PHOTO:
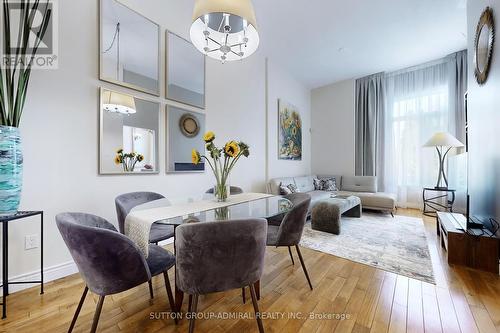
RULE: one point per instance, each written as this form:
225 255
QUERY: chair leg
97 314
190 303
304 266
291 256
256 308
170 295
194 309
150 283
78 308
243 295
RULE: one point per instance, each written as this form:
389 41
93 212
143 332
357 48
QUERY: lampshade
224 29
118 103
443 139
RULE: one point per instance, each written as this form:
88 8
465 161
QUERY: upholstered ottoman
326 214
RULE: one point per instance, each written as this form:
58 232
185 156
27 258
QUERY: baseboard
49 274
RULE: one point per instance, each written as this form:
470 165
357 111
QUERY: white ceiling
325 41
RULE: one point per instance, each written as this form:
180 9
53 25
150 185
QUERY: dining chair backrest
291 227
108 261
232 190
218 256
125 202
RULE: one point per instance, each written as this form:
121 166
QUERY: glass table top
260 208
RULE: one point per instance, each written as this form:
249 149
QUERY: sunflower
119 151
118 160
140 158
195 156
209 136
232 149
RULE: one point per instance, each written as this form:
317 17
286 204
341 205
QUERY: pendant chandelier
225 29
114 102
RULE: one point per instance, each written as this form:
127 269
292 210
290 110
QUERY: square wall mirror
185 72
185 131
129 51
129 134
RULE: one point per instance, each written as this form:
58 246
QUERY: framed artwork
289 132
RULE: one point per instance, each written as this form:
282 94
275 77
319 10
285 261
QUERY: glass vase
221 192
11 170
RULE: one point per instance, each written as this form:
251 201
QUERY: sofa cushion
338 179
359 184
379 200
328 184
284 190
305 184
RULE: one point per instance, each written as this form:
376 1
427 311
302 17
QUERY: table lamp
444 142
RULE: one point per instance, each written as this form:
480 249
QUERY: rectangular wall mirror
129 48
129 134
185 72
185 131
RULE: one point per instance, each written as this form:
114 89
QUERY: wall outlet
31 242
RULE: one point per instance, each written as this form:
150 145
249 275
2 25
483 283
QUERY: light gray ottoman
326 213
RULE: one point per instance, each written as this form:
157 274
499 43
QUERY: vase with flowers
221 161
127 160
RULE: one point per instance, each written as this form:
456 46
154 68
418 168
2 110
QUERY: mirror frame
486 20
167 140
101 136
120 83
166 73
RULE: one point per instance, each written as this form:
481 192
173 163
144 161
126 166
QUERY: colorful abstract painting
289 132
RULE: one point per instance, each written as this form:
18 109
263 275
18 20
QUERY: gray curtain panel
457 88
370 106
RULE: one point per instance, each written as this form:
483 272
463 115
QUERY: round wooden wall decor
483 45
189 125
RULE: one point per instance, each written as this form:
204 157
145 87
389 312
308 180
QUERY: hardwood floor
370 300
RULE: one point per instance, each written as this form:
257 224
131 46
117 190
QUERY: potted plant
221 161
15 74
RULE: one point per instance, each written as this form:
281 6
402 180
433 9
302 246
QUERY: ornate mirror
483 45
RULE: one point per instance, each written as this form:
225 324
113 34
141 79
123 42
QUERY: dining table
206 209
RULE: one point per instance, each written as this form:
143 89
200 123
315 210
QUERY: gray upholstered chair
219 256
289 231
126 202
232 190
108 261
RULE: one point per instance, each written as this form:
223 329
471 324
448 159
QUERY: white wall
60 128
484 122
282 86
333 124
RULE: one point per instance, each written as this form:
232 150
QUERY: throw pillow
329 184
293 188
284 190
317 184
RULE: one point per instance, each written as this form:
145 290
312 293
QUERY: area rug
397 245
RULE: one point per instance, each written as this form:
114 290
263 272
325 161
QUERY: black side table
5 220
435 202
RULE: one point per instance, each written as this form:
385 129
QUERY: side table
434 204
5 221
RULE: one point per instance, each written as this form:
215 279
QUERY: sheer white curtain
417 106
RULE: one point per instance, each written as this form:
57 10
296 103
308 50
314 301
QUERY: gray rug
397 245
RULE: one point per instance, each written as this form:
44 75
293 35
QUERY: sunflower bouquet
221 161
127 160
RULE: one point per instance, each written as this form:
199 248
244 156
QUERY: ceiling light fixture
225 29
118 103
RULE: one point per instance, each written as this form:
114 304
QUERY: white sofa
364 187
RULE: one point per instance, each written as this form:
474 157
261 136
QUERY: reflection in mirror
483 48
181 141
129 50
185 72
128 141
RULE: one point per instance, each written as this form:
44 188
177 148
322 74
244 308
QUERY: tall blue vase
11 170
